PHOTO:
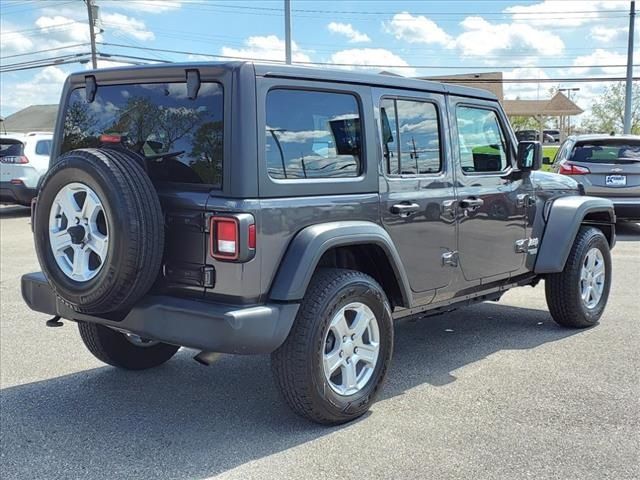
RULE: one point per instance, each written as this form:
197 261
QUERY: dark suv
244 208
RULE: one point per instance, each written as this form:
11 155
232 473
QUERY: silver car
608 166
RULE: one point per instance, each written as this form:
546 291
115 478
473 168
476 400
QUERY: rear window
312 134
11 148
606 153
181 139
43 147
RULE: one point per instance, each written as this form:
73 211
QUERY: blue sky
519 38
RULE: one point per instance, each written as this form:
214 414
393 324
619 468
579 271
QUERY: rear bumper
16 193
188 323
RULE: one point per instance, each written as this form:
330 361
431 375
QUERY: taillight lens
571 169
14 159
233 237
105 138
225 237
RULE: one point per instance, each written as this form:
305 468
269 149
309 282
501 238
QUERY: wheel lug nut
353 336
77 221
344 339
348 359
340 354
355 350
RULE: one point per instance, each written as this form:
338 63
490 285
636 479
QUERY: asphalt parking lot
491 391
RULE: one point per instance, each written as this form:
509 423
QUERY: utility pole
287 31
629 89
569 90
92 33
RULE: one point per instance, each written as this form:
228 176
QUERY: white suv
24 158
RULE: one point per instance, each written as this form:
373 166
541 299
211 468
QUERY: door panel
491 196
417 191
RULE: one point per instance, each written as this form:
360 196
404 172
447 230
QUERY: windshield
617 152
180 138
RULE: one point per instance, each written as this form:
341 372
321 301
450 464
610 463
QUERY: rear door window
312 134
411 137
180 138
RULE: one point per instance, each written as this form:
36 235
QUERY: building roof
558 105
41 118
490 81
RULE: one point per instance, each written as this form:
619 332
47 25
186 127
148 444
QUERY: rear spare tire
99 230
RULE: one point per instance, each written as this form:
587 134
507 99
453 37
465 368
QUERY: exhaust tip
207 358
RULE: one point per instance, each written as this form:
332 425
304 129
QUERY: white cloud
148 6
372 59
44 87
483 38
12 43
348 31
418 29
526 91
608 34
63 29
563 12
130 26
268 47
600 57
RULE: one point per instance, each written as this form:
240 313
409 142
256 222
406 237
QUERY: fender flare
308 246
564 218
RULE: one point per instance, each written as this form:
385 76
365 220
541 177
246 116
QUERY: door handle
471 203
404 208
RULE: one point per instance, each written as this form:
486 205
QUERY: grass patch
549 151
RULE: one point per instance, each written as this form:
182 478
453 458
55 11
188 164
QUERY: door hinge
450 258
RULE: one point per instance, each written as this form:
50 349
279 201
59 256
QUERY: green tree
607 112
207 152
79 127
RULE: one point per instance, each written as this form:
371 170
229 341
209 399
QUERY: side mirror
547 161
529 156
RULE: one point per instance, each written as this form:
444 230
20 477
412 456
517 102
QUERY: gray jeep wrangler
252 209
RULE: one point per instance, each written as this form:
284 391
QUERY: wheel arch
358 245
563 220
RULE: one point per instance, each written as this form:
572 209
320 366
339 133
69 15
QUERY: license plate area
615 181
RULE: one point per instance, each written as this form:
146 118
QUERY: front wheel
336 356
578 295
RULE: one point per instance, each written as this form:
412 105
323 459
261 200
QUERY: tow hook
54 322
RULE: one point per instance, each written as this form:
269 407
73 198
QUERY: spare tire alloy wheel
99 230
78 232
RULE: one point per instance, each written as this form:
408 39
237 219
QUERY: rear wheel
123 350
578 295
336 356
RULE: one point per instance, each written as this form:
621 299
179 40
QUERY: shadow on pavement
14 211
183 420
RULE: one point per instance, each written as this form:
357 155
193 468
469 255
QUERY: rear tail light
14 160
233 237
571 169
16 181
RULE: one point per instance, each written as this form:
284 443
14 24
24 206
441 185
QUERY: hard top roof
306 73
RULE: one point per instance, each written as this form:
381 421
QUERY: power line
233 57
44 51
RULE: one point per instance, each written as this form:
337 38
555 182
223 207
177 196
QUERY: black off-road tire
297 364
135 224
113 348
563 289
